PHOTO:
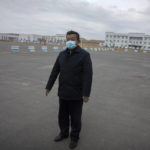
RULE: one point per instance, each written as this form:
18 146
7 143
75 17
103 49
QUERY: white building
32 37
55 38
9 36
29 37
60 37
129 40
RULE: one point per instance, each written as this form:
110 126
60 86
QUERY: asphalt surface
117 116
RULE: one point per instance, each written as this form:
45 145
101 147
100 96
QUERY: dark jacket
75 74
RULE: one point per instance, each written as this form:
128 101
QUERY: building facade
129 40
31 37
9 36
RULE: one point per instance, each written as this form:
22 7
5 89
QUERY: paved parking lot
117 117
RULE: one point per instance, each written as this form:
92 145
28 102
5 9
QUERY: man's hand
85 99
46 92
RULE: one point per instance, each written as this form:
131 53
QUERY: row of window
136 38
126 46
132 42
147 38
116 41
126 37
117 36
6 37
135 42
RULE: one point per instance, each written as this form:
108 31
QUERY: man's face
72 37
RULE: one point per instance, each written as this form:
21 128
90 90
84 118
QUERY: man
74 68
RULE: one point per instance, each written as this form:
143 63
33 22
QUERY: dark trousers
70 111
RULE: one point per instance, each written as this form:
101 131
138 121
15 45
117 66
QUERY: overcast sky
91 18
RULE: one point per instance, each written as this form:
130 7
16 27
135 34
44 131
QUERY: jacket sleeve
53 75
87 76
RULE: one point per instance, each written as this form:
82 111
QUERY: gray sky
91 18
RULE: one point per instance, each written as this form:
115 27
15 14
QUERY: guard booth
14 48
31 48
55 49
44 49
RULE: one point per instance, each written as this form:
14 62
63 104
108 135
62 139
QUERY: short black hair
74 32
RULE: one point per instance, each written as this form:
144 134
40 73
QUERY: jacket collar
75 50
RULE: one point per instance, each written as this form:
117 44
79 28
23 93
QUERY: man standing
74 68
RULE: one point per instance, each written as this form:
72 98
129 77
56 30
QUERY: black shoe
73 144
60 138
